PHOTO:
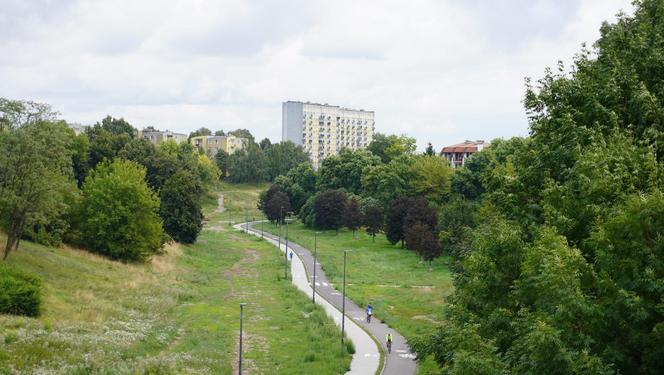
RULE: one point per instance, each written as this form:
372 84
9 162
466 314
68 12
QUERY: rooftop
467 146
328 105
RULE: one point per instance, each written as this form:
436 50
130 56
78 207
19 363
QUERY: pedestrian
291 255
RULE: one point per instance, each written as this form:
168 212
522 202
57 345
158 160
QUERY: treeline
387 187
559 237
104 189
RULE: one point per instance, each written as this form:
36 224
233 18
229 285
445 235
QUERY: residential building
211 144
156 137
324 130
458 153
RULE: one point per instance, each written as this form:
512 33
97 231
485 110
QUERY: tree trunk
11 240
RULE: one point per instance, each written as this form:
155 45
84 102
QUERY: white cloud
441 71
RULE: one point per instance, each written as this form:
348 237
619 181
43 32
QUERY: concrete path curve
400 362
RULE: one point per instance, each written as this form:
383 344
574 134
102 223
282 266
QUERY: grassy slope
405 292
178 314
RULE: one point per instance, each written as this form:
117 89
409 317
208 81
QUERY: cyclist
369 313
388 340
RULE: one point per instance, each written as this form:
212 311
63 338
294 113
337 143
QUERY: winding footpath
365 336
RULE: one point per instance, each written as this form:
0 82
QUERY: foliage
35 176
431 178
16 113
385 182
457 219
243 133
353 217
19 292
307 214
374 216
390 147
248 165
277 207
284 156
345 170
265 143
120 212
221 159
299 183
104 145
180 207
200 132
429 151
394 219
421 238
329 209
117 126
207 171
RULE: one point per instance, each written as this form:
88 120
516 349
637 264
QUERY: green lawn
177 314
239 200
406 293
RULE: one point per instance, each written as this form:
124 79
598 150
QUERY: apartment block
156 137
458 153
324 130
211 144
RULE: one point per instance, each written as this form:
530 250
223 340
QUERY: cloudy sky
441 71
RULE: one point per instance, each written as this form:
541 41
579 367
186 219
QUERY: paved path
400 361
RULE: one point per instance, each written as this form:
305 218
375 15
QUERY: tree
80 149
374 217
207 171
250 165
264 144
16 113
200 132
421 238
266 195
353 217
386 182
243 133
104 145
329 209
299 183
394 220
35 175
431 178
277 207
219 133
390 147
284 156
429 150
345 170
121 212
180 207
117 127
221 159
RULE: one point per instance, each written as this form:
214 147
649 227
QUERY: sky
441 71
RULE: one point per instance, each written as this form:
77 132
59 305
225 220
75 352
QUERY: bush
19 292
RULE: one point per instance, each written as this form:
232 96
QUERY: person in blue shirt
369 313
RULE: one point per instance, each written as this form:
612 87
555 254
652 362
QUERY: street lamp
279 224
246 220
313 281
286 251
343 304
239 371
262 221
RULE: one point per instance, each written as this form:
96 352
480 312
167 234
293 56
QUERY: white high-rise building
323 130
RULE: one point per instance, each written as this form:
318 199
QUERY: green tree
429 151
16 113
221 159
277 207
390 147
265 143
431 177
207 171
121 212
35 176
386 182
180 207
421 238
199 132
345 170
394 219
284 156
117 127
243 133
250 165
219 133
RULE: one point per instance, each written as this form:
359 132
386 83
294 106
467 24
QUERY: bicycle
389 347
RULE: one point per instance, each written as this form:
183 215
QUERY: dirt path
220 204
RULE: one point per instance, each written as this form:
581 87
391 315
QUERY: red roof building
458 153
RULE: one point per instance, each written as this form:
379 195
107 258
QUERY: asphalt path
401 361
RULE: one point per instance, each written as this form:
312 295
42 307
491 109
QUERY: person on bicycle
388 340
369 313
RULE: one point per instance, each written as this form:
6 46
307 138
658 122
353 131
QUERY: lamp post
343 304
246 220
313 281
281 210
262 221
286 251
239 371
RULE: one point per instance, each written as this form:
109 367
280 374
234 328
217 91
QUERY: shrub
19 292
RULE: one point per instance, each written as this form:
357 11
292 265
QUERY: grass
406 293
177 314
